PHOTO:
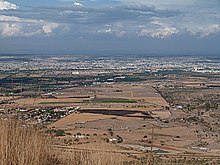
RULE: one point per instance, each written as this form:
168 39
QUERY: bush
60 132
119 139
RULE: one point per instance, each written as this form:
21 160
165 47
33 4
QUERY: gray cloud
139 18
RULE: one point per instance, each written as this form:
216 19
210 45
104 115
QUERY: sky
107 27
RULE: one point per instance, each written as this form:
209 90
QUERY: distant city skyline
113 27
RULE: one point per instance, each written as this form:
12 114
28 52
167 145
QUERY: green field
58 102
99 100
111 100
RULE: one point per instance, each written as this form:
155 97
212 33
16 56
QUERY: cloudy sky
110 27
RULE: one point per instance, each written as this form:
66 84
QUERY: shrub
60 132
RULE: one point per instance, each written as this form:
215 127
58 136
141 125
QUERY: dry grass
88 158
22 146
26 146
107 158
100 153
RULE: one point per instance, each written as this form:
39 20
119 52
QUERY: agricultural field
169 128
109 96
136 115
